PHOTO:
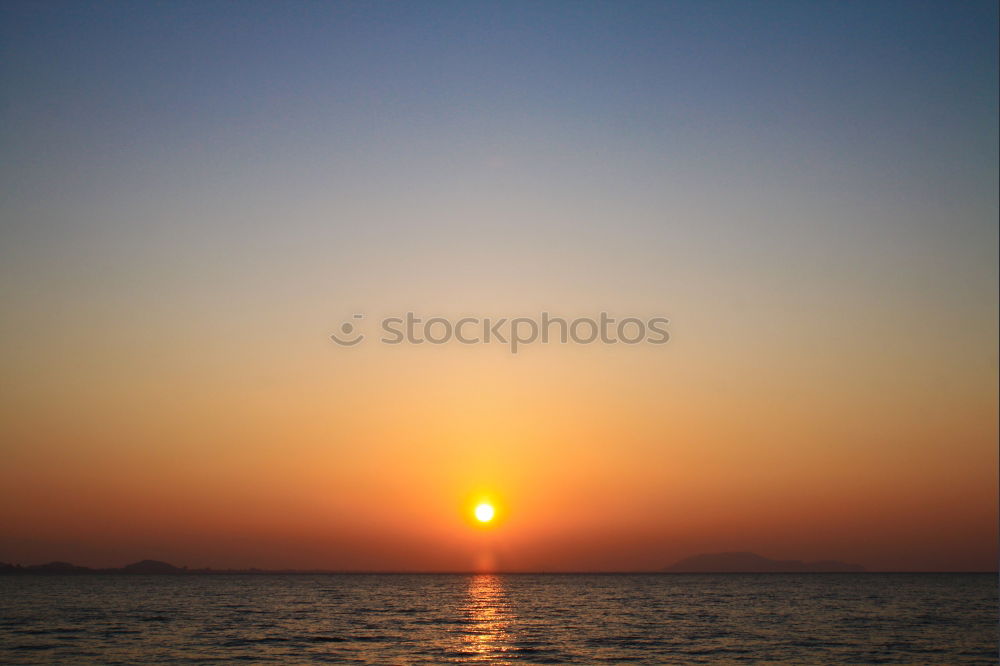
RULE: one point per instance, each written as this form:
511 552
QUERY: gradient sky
193 196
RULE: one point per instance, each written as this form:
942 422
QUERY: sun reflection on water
489 615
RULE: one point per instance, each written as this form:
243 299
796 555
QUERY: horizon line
6 567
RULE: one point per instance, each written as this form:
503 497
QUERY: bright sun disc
484 513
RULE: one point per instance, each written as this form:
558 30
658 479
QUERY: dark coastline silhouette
752 563
144 567
733 562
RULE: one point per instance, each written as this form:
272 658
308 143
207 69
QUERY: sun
484 512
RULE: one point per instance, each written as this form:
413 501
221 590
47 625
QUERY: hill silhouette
57 567
753 563
744 562
143 567
151 567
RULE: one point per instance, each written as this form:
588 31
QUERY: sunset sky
195 195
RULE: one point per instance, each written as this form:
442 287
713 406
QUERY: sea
517 618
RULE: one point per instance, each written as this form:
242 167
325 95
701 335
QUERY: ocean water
433 619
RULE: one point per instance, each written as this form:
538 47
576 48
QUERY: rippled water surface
870 618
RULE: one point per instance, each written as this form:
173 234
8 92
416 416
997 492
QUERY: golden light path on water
489 614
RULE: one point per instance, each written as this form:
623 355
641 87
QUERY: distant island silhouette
754 563
704 563
145 567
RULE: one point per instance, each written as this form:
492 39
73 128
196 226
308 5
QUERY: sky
195 195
